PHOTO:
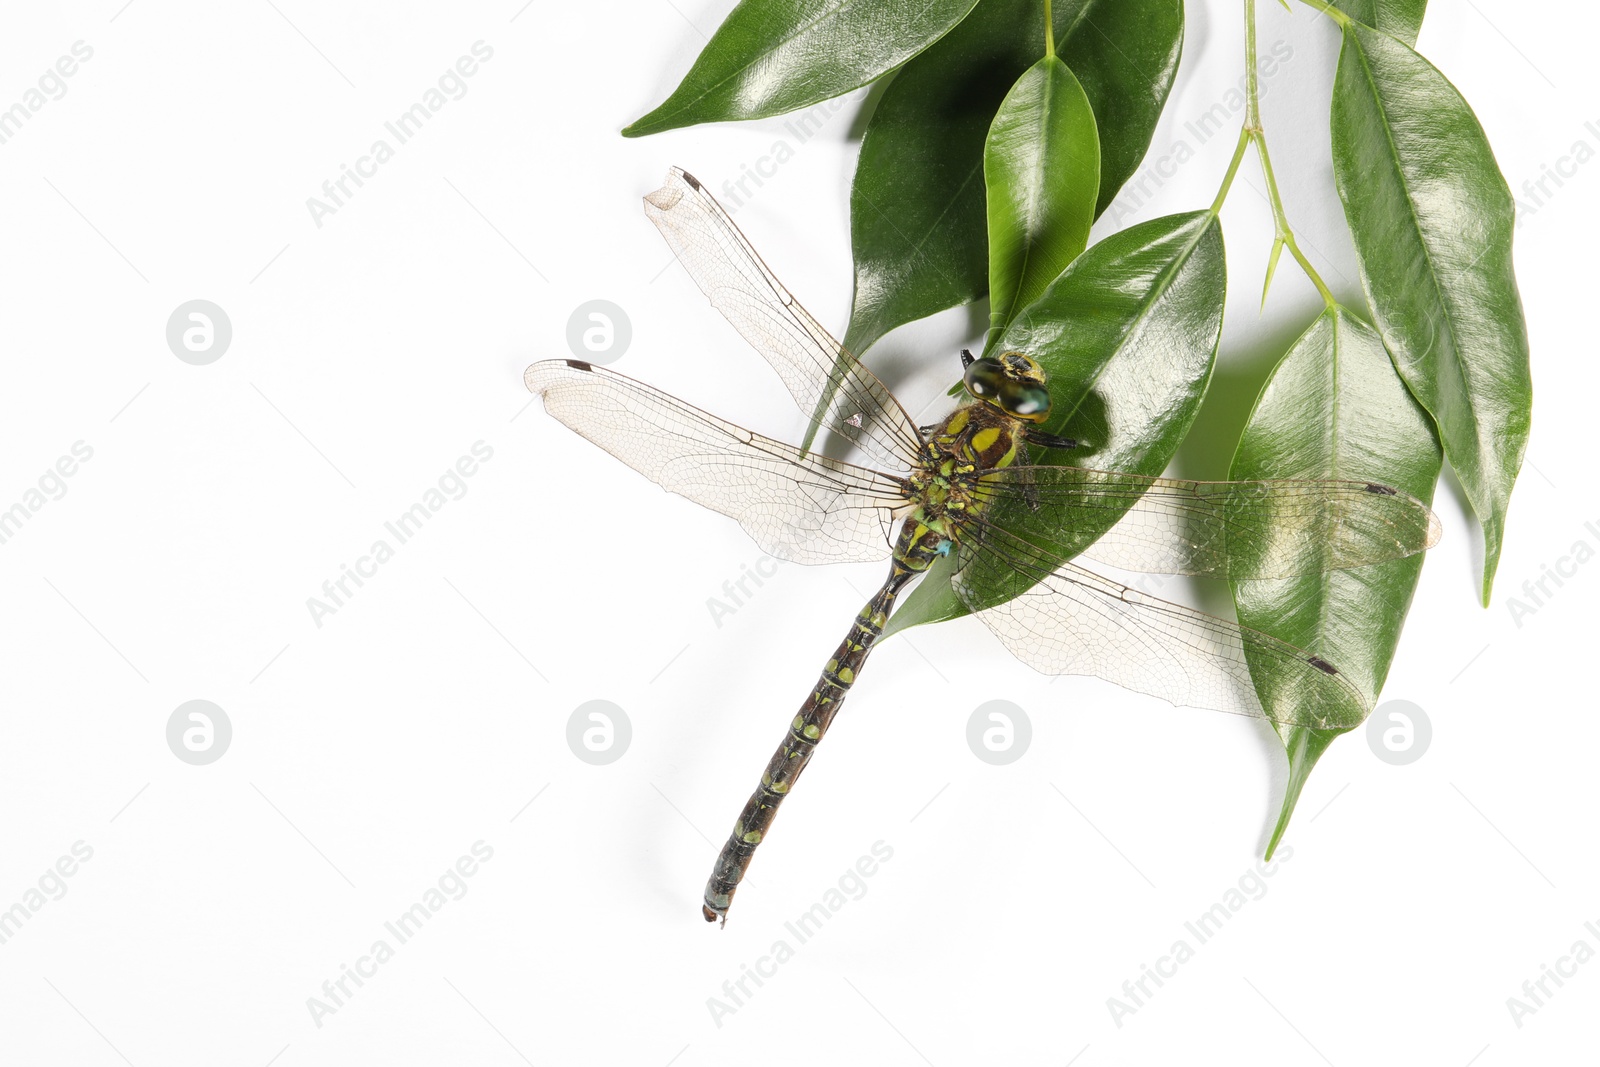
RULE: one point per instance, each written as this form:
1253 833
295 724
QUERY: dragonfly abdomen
916 549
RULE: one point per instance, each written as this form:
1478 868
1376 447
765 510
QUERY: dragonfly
966 486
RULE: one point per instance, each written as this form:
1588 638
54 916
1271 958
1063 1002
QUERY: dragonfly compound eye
1030 403
984 378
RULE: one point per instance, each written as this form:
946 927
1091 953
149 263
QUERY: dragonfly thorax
972 439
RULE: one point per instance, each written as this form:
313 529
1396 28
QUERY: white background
372 751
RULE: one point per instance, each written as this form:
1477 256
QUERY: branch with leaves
1006 129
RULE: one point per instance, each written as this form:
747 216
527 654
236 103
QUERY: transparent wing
798 506
1067 620
810 362
1239 530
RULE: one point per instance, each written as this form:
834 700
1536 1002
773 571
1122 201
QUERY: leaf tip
642 126
657 120
1304 747
1272 267
1493 538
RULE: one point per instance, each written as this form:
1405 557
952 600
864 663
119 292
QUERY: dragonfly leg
1030 491
1050 440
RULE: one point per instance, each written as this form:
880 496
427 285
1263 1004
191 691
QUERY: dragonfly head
1012 382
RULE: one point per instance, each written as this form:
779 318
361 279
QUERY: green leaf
1334 408
1041 168
1128 334
1397 18
773 56
917 212
1431 217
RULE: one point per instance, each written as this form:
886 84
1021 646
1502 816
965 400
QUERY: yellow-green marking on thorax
1009 394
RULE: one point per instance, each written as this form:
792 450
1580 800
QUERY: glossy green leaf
1334 408
1397 18
1431 217
1041 171
773 56
917 210
1128 334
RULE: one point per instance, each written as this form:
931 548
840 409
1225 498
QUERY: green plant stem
1049 31
1327 9
1285 235
1252 132
1233 169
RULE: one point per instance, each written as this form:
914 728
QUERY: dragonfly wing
1068 620
798 506
811 363
1238 530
